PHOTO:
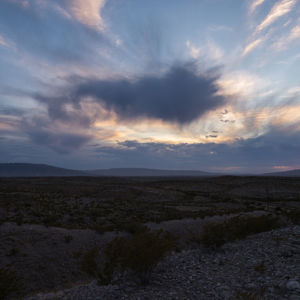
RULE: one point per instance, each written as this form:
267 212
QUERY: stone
293 284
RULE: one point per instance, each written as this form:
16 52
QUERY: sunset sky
210 85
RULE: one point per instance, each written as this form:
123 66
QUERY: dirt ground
48 225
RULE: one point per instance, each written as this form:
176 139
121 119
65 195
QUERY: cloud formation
81 72
87 12
278 147
194 51
251 46
3 42
57 31
283 42
254 154
255 4
278 38
279 9
180 95
62 139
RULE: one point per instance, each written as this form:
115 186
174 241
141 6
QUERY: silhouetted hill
147 172
35 170
291 173
40 170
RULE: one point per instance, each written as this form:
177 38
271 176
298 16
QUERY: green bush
140 253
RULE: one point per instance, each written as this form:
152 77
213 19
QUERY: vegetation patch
139 253
260 295
261 267
9 284
89 263
293 216
239 227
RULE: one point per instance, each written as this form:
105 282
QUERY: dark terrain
55 230
291 173
42 170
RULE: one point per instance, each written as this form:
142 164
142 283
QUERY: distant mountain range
291 173
35 170
146 172
41 170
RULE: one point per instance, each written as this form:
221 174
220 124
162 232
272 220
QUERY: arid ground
55 233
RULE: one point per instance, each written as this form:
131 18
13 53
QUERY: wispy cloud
240 84
23 3
5 43
215 52
193 51
251 46
280 9
88 12
278 38
283 42
2 42
219 28
54 34
295 32
255 4
209 50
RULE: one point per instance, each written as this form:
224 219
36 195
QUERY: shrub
140 253
12 252
89 264
134 227
216 234
241 295
293 216
278 239
8 283
68 239
103 228
261 267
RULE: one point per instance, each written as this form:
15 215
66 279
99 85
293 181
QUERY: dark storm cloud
11 111
57 111
43 132
180 95
58 141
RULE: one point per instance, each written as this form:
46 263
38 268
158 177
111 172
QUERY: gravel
263 266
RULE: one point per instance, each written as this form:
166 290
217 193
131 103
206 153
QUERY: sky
210 85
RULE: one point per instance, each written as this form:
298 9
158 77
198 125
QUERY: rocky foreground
263 266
